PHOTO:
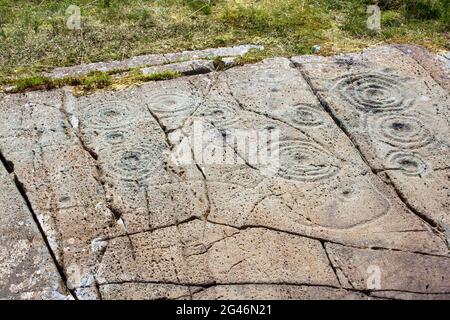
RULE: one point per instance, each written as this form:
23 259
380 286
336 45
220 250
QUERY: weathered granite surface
436 65
27 268
186 67
151 60
133 206
398 115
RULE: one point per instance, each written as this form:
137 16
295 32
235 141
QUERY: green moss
252 56
33 83
96 80
219 64
156 76
67 81
93 81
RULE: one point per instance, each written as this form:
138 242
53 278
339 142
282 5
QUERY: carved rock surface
302 178
27 268
394 105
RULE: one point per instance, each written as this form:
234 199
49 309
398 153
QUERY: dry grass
34 36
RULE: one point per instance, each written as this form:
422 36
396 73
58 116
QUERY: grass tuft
219 64
422 9
33 83
93 81
252 56
156 76
96 80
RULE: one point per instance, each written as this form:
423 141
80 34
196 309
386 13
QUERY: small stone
316 48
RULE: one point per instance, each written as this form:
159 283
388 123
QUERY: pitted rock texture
27 268
134 202
398 116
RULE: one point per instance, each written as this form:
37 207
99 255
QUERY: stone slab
27 269
277 292
200 253
187 67
59 178
213 52
136 202
150 291
396 271
146 291
396 109
150 60
438 66
322 204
